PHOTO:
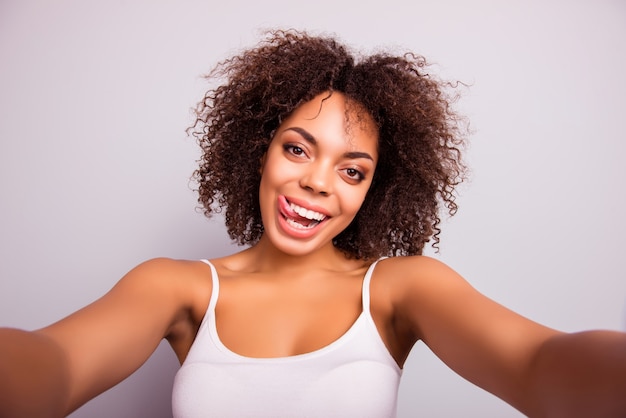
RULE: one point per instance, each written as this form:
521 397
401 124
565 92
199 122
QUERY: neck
266 257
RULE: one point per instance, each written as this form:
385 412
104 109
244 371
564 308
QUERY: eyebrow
311 139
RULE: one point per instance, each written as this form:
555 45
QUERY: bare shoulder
182 284
416 283
155 295
170 276
428 297
418 273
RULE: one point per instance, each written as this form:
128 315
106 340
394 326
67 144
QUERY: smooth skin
294 293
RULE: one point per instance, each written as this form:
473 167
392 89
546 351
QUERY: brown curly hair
420 137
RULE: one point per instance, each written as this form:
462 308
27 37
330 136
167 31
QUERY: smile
307 213
300 218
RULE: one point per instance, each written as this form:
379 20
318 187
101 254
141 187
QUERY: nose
318 179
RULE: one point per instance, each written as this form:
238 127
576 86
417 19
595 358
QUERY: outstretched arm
34 380
538 370
52 371
580 375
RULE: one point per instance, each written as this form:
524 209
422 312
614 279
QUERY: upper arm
480 339
109 339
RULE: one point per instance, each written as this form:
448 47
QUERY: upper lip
308 205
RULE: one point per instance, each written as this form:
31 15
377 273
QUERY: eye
354 175
294 150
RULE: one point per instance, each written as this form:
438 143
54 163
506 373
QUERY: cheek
279 172
353 199
273 175
268 168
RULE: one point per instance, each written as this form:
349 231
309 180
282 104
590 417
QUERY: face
316 173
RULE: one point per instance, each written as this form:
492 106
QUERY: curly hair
420 137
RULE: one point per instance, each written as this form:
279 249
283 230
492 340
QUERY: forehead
333 115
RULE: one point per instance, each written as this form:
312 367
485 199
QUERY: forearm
580 375
34 381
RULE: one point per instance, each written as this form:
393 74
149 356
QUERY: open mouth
299 217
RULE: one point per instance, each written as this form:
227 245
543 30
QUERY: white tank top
354 376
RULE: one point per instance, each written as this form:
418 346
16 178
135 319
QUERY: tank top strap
365 290
216 286
366 286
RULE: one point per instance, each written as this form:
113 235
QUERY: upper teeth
306 213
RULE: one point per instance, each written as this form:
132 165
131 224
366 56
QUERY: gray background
95 163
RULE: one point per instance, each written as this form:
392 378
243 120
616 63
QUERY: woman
324 165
